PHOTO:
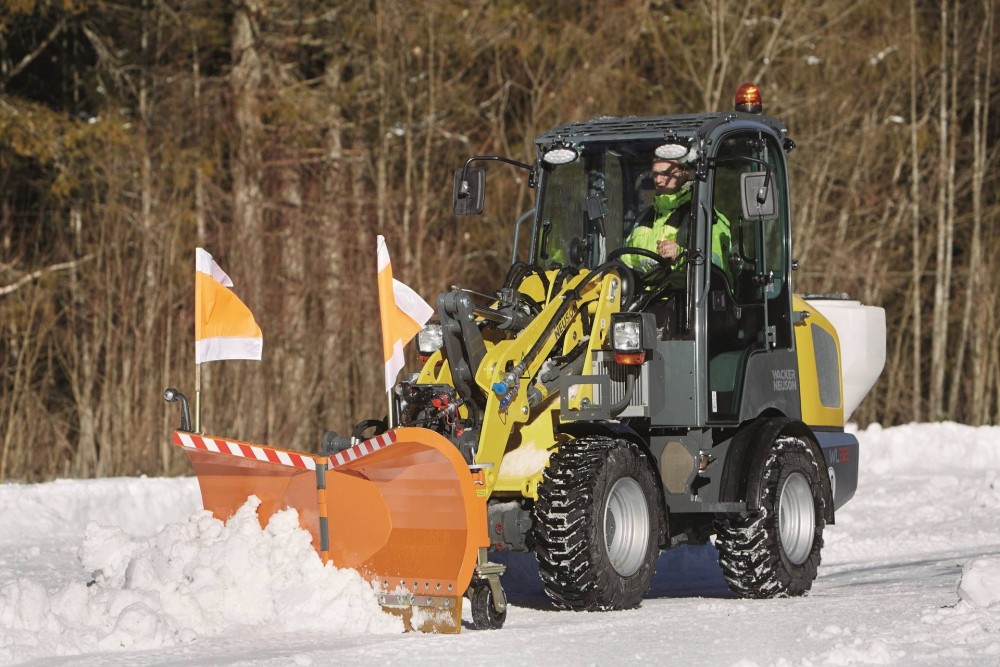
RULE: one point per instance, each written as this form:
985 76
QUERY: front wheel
777 552
596 525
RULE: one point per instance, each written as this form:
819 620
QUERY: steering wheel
659 278
661 273
664 262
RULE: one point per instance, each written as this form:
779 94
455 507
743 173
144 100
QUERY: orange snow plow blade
402 508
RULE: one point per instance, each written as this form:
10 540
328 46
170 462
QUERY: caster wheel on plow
484 613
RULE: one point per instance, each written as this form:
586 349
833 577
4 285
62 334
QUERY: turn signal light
630 358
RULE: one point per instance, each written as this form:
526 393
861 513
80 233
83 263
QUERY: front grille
605 365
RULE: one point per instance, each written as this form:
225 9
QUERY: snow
980 585
524 461
132 571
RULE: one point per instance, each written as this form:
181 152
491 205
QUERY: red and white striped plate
245 450
280 456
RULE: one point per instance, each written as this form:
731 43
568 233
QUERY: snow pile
139 505
972 626
929 447
195 579
980 584
924 490
929 494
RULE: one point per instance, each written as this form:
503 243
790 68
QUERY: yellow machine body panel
820 375
528 453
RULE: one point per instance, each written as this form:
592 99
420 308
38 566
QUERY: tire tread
749 550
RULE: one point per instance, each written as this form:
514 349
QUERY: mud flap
402 508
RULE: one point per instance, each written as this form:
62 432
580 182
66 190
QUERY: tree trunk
916 380
945 221
248 200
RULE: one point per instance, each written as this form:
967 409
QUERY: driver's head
669 176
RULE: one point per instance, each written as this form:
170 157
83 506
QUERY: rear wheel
777 552
596 525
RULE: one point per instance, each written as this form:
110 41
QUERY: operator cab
723 306
725 303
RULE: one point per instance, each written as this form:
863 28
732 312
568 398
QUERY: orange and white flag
402 311
224 328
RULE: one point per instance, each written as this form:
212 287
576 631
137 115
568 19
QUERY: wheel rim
796 518
626 526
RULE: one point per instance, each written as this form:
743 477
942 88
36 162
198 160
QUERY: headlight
626 336
632 336
430 339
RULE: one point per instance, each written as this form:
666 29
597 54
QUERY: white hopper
861 330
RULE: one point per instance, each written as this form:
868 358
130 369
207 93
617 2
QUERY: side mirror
470 191
757 196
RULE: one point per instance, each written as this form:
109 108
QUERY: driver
671 210
671 205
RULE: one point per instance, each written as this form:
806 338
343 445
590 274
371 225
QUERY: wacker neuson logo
785 380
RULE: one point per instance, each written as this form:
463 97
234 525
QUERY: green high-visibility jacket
666 226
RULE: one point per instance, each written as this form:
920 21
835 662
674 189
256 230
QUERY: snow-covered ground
131 572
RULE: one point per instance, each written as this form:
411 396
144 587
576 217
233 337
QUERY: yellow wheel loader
606 402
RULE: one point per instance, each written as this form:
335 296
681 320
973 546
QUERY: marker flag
403 314
224 328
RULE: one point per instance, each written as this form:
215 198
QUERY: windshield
587 207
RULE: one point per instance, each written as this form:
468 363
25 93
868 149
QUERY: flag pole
391 410
197 398
197 335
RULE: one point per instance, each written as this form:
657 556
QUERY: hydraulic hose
616 409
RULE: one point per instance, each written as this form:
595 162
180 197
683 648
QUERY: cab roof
653 128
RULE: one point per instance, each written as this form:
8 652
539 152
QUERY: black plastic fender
580 429
747 451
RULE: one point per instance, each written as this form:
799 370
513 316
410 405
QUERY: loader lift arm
501 361
461 332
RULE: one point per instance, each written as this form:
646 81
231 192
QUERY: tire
776 553
484 614
595 525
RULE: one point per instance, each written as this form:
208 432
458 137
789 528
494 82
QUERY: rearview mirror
757 196
470 191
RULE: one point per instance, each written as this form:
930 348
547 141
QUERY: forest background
283 135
